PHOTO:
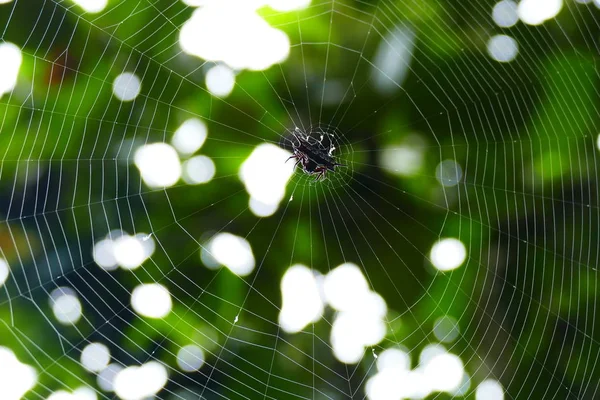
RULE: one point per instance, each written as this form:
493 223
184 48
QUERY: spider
315 158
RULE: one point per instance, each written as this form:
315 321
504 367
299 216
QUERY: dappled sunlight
95 357
535 12
448 254
159 164
220 80
502 48
505 13
118 249
234 252
301 299
140 382
198 169
190 358
91 6
489 389
66 305
11 57
16 378
127 86
265 173
190 136
232 32
81 393
151 300
438 371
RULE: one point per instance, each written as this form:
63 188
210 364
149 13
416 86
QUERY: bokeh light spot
535 12
11 58
502 48
151 300
489 389
190 358
127 86
302 303
505 13
198 169
16 378
4 271
448 254
66 306
234 252
159 164
95 357
220 80
190 136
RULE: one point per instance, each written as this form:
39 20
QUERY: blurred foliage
527 208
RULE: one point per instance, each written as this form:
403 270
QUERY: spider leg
320 173
292 156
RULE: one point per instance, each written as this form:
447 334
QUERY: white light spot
198 169
207 258
65 306
16 378
402 160
392 59
129 252
505 13
95 357
147 243
136 383
346 346
352 331
393 359
190 358
386 385
261 209
489 390
151 300
195 3
301 300
448 173
265 173
82 393
91 6
445 372
288 5
158 164
448 254
5 1
535 12
429 352
11 58
127 86
4 270
232 32
106 378
234 252
464 386
220 80
104 255
502 48
345 287
190 136
446 329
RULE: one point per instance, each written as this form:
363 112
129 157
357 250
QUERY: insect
315 157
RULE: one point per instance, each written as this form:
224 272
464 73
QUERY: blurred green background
469 120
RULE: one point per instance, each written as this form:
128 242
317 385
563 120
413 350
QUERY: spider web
455 254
